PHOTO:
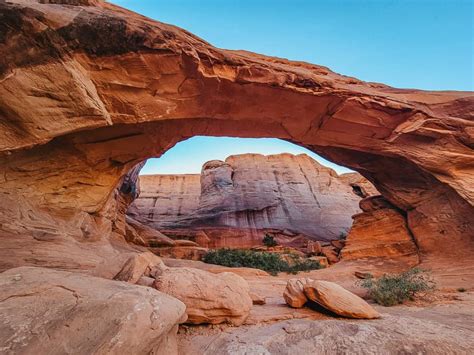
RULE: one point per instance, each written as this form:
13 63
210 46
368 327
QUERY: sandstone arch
88 92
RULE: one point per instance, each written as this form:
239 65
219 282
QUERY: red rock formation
87 92
250 195
379 231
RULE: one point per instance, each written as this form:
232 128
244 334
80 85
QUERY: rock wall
235 201
379 231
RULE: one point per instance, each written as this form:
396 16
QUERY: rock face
43 311
379 231
235 202
89 92
209 298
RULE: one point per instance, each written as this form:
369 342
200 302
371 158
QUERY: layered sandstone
88 92
235 202
379 231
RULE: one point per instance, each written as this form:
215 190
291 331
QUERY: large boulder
43 311
338 300
209 298
294 292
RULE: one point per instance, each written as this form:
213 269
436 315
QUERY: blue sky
424 44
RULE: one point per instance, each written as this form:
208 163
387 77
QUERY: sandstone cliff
235 201
88 92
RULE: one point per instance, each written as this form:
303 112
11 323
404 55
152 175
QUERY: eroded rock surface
235 202
209 298
43 311
338 300
89 92
380 231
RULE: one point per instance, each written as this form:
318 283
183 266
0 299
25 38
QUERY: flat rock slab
43 311
390 335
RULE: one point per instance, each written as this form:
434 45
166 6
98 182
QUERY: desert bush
269 241
269 262
393 289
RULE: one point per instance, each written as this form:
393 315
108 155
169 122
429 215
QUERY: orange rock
294 292
379 232
106 89
209 298
330 253
53 312
139 265
338 300
257 299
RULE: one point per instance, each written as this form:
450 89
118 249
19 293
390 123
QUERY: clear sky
423 44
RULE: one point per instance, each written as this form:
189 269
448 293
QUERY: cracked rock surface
43 311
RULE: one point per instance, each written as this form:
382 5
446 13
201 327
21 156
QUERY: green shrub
461 289
342 236
390 290
269 241
270 262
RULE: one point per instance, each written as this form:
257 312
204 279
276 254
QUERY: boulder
313 247
44 311
294 292
139 265
209 298
257 299
338 300
330 253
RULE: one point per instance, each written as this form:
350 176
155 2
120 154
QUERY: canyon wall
235 201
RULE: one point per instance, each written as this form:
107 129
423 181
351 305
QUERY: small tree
269 241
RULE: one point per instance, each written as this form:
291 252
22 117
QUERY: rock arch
88 92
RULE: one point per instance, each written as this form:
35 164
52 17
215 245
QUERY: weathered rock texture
338 300
88 92
250 194
43 311
209 298
379 231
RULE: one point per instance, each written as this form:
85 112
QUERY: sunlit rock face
88 92
235 202
379 231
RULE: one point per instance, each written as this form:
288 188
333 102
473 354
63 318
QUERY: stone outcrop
209 298
379 231
89 92
338 300
43 311
234 203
